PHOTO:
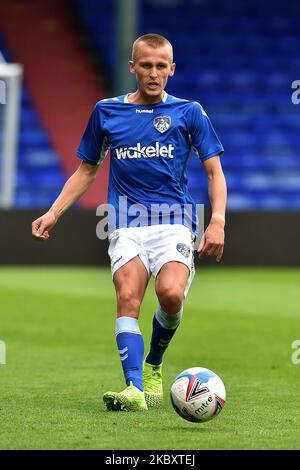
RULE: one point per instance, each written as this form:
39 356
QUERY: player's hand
42 226
212 242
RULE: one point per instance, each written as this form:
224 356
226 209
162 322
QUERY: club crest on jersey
162 123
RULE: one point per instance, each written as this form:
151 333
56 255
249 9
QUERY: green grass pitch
58 326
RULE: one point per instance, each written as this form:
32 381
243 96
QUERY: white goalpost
10 94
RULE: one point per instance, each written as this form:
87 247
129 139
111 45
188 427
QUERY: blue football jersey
150 146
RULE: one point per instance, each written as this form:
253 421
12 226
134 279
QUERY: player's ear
131 66
172 70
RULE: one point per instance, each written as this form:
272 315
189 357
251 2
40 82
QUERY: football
198 394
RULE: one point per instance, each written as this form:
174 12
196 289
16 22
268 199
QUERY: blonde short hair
152 40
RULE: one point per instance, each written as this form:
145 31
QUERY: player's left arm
212 243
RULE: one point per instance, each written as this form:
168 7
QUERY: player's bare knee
171 299
128 301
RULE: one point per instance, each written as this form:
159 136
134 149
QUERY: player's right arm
74 188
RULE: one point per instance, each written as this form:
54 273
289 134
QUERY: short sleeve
93 145
203 137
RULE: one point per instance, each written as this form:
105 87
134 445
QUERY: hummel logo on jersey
149 151
149 111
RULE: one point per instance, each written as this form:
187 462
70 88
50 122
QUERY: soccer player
150 135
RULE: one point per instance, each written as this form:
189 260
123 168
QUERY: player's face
153 67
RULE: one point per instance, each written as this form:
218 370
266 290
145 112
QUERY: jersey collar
162 101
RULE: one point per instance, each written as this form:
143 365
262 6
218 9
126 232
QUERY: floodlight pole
127 13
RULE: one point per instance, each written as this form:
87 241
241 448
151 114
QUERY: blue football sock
131 348
163 330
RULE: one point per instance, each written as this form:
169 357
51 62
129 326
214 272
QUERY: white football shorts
155 245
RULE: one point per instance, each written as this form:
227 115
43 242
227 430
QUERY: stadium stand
39 176
237 59
64 90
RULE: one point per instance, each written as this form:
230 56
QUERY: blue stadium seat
39 177
238 60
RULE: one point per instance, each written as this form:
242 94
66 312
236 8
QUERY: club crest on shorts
162 123
183 249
